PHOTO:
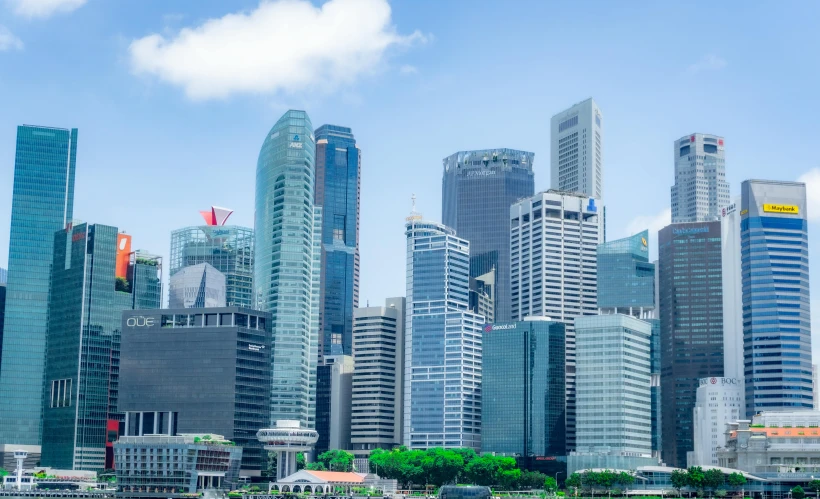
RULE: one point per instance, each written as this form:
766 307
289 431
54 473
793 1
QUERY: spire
414 215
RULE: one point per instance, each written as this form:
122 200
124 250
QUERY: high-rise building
198 371
626 278
776 311
42 203
701 188
613 422
3 277
477 190
338 180
197 286
576 159
92 283
334 391
522 389
691 315
719 401
228 248
553 268
378 356
732 293
287 264
442 341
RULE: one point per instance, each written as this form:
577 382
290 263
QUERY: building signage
743 212
296 145
77 236
690 230
545 458
721 381
591 206
140 321
499 327
480 173
728 210
255 348
786 209
220 232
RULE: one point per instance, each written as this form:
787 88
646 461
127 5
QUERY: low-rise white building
718 401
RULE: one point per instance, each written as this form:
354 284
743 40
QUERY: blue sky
173 99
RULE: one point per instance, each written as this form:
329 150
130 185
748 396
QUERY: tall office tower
719 401
691 315
197 286
228 248
338 180
442 341
522 389
287 264
776 312
91 285
576 159
198 371
42 203
378 356
614 429
3 276
701 188
334 390
553 239
732 289
477 189
626 278
655 392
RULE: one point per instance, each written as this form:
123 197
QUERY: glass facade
442 398
287 263
42 203
477 190
691 315
338 169
85 306
522 388
229 249
197 286
626 279
776 305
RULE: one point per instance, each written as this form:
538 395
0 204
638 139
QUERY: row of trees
607 480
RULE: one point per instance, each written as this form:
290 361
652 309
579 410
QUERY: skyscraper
338 171
701 188
228 248
378 387
477 190
91 286
42 203
522 389
553 268
334 391
576 159
197 286
442 363
287 263
776 312
626 278
691 315
3 277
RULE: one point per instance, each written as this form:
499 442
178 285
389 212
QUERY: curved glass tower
287 263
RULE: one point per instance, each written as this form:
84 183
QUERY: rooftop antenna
414 215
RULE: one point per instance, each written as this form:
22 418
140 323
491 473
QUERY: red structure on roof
216 216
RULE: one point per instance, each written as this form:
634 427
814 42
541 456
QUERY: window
684 151
567 124
61 393
710 148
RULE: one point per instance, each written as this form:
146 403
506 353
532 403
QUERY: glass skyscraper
287 263
626 278
477 190
42 203
776 306
522 388
691 315
228 248
90 289
442 363
338 170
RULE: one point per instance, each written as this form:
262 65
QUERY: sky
173 99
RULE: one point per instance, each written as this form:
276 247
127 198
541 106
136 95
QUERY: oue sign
139 321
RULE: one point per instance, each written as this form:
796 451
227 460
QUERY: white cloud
812 180
709 62
43 8
408 69
8 41
652 223
282 45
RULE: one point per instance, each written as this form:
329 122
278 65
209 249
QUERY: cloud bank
43 8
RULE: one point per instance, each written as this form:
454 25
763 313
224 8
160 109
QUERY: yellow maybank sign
786 209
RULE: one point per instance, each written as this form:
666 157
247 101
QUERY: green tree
317 466
606 479
712 479
550 485
680 479
337 460
813 486
531 480
300 461
573 481
798 492
696 478
482 470
625 479
736 479
442 466
3 473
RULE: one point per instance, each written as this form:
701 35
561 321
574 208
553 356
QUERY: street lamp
556 481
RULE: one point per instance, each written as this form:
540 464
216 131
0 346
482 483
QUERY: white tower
20 456
287 439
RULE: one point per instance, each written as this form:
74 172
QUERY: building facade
198 371
228 248
334 391
378 377
477 190
287 264
523 398
338 182
733 361
91 278
701 188
776 306
42 203
2 308
626 278
691 315
442 341
576 160
553 242
197 286
719 401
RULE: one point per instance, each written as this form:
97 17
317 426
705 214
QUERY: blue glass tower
287 263
338 169
626 278
775 282
42 203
